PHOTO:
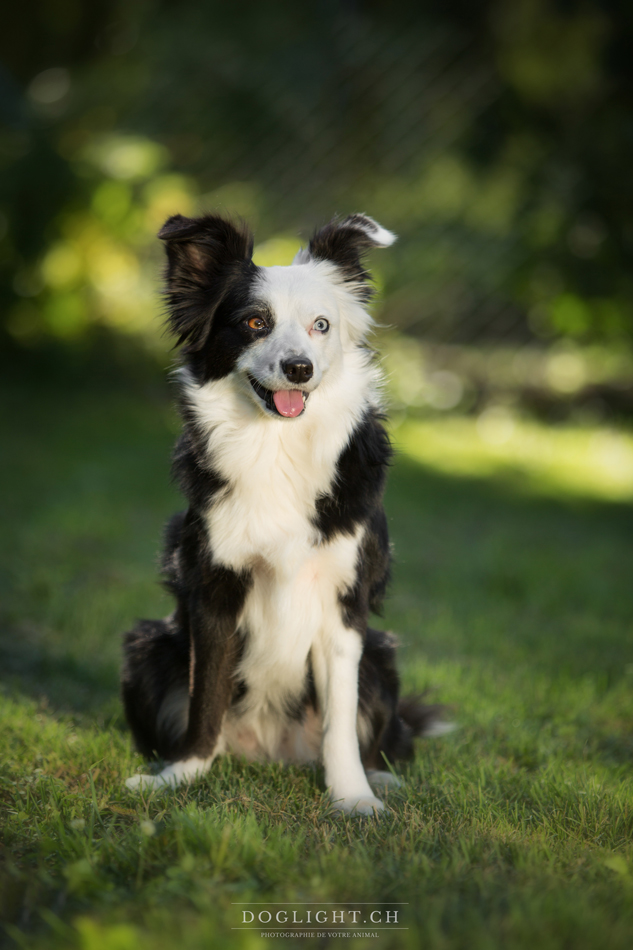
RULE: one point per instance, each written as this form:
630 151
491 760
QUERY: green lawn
513 598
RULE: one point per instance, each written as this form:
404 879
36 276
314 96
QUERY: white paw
353 805
184 771
147 783
379 779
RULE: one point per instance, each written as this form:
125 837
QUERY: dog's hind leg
158 670
388 724
155 686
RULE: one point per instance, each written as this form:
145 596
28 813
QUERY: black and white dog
283 550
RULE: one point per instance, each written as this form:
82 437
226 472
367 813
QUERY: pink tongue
289 402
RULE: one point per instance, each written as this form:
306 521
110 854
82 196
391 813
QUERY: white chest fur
275 468
263 522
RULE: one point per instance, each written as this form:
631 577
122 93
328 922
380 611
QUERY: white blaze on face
296 297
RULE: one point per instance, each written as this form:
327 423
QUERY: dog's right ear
344 243
203 254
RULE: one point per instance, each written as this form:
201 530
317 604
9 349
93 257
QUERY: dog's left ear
343 243
203 255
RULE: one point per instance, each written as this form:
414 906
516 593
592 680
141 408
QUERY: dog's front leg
335 662
213 614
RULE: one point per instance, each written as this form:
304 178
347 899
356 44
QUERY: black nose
298 369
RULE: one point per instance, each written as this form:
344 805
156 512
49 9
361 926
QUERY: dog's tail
424 719
412 718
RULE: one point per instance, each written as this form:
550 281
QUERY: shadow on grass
60 683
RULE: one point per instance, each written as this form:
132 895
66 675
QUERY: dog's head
279 330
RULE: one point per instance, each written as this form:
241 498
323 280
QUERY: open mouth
288 403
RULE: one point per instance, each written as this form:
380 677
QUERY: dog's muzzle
287 403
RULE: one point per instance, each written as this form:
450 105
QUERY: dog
283 550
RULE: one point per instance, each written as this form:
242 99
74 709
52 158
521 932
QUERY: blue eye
321 325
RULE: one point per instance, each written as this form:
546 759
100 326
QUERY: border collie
283 550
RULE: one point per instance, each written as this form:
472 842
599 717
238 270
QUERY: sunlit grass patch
596 462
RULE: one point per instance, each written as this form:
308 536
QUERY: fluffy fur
283 550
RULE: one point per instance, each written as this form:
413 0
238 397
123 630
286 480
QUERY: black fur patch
344 243
361 473
157 657
394 722
209 284
372 576
192 471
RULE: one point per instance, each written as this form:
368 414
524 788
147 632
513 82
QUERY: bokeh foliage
493 136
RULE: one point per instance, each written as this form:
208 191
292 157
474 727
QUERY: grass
566 461
513 599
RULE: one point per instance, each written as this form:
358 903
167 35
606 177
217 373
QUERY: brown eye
256 323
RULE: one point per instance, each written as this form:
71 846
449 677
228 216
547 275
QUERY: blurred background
494 136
